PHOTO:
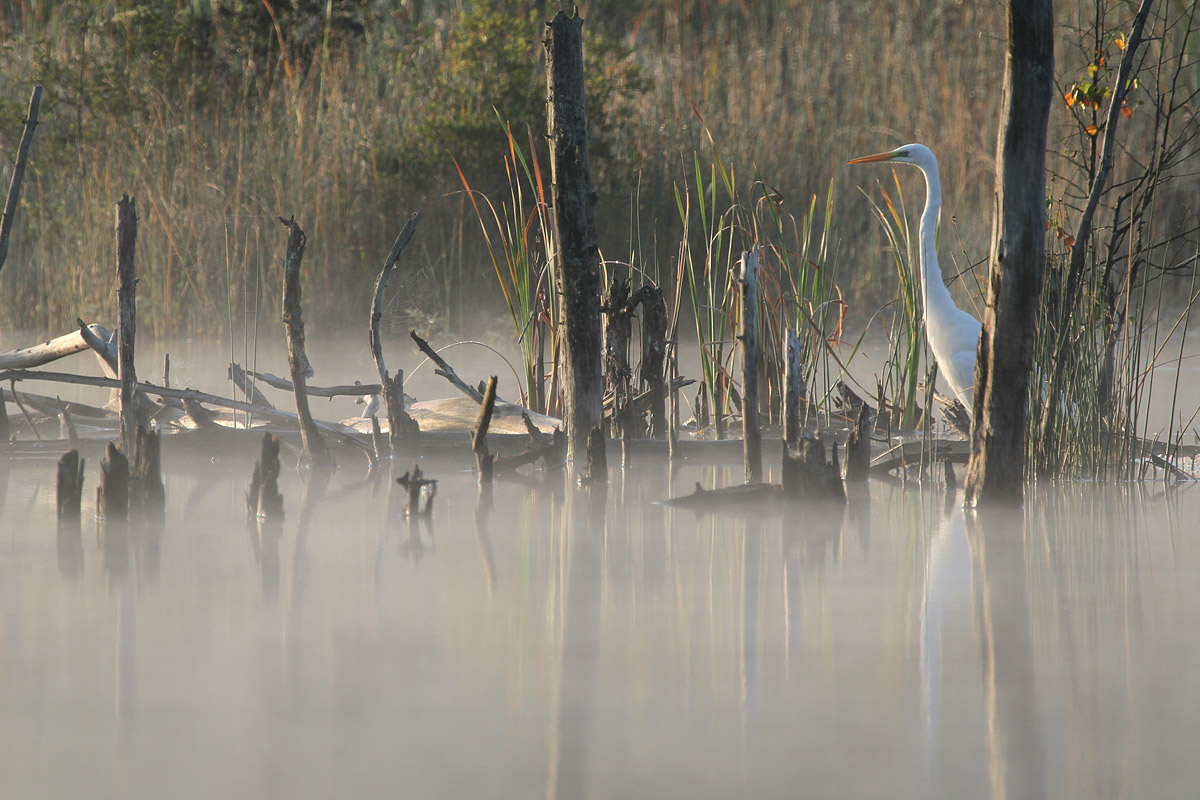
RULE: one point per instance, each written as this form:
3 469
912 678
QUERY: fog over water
559 641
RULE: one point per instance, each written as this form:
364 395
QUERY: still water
560 642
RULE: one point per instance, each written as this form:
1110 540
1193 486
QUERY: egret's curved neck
933 289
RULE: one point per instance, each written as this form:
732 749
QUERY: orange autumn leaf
1069 241
1092 130
1127 111
1070 98
1120 42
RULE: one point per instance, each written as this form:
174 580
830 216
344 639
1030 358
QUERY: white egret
953 334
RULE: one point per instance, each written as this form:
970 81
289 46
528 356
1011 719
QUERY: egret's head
917 154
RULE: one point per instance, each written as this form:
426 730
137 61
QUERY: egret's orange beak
877 157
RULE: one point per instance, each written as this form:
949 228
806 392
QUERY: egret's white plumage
953 334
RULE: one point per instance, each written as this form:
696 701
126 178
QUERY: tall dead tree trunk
314 445
577 251
18 174
127 327
996 471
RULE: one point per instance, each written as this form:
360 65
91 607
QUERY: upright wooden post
127 327
577 250
751 435
996 470
484 460
314 445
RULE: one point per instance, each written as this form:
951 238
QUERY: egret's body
953 334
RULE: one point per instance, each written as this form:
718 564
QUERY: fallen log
341 432
52 350
743 497
355 389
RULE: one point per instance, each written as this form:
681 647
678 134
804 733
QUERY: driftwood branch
341 432
401 427
445 370
18 176
342 390
243 381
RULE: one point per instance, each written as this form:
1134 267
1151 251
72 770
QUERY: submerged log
112 495
751 435
740 498
70 485
127 225
293 323
484 459
577 251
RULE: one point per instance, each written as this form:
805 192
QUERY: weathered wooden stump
748 334
147 495
112 495
70 485
858 447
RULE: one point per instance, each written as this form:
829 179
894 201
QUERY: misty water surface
554 642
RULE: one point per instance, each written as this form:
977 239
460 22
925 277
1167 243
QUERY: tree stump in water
577 250
146 484
483 458
70 485
112 495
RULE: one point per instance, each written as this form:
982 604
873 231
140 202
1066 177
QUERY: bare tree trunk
996 471
751 435
18 175
314 445
577 250
127 327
